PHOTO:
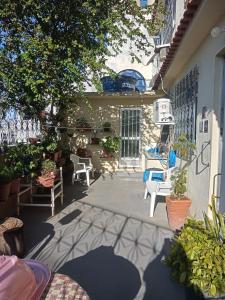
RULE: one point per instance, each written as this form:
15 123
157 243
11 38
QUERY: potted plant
196 256
14 158
5 182
31 158
82 125
17 169
110 145
53 149
177 203
48 173
106 126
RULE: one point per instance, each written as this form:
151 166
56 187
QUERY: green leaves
196 258
50 49
184 148
180 183
111 144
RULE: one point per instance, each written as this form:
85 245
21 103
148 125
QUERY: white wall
206 162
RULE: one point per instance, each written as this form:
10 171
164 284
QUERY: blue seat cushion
155 176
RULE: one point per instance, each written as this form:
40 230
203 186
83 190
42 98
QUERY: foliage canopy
49 49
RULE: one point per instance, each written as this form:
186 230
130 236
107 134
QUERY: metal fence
18 130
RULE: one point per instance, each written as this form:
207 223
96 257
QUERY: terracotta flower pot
15 186
46 180
4 191
177 211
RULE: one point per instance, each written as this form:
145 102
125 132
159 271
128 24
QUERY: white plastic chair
81 165
161 188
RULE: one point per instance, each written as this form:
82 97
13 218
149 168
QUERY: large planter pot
177 211
15 186
46 180
4 191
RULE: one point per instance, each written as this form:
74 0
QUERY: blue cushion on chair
155 176
172 159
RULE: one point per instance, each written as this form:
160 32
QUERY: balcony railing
18 130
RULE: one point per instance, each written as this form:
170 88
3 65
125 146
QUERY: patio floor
105 241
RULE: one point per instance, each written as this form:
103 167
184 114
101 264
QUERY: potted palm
196 256
48 173
178 203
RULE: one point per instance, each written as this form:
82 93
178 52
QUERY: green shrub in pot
197 256
48 166
52 147
178 203
6 175
48 173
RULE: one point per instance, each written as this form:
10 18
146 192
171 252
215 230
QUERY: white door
130 137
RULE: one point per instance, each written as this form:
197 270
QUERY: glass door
130 137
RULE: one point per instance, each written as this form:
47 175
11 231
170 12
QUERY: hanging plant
110 144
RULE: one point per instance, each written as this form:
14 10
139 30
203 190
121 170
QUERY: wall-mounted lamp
216 31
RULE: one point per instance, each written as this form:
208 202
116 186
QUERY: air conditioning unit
163 112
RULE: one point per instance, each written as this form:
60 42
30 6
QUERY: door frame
122 161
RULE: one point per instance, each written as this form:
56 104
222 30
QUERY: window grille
167 32
185 105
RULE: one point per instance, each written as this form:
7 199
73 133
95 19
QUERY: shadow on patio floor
104 275
111 255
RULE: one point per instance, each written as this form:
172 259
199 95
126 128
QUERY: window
185 105
126 81
140 83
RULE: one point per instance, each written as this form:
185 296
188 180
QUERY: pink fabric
22 279
17 281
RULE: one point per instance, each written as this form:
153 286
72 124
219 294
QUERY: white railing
18 130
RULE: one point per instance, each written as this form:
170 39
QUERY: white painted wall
206 162
180 7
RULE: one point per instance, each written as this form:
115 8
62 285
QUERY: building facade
192 73
126 103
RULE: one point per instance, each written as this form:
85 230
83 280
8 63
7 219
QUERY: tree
50 48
